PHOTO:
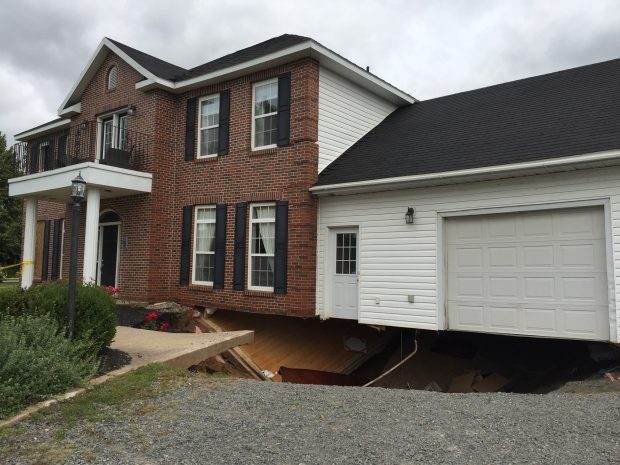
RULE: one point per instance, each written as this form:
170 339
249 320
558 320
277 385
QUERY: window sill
201 287
268 151
206 159
253 293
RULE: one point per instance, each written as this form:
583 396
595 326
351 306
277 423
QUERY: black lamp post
78 188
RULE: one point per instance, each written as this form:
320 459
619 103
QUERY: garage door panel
540 274
503 257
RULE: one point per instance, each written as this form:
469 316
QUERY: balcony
89 141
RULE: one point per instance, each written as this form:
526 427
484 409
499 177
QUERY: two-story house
198 181
282 178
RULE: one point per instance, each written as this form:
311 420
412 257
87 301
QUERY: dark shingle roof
241 56
158 67
172 72
565 113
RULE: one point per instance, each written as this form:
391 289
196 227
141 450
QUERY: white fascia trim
81 166
72 110
361 72
48 127
369 185
105 42
310 46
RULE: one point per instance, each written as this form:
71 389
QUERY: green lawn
8 285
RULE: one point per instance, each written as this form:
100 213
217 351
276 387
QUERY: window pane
264 212
265 98
205 267
266 131
205 214
262 271
210 112
205 237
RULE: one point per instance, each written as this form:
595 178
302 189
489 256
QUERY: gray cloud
426 48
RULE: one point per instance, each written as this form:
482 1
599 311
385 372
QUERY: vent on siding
113 77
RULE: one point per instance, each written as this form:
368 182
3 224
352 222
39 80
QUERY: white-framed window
208 125
204 245
112 77
262 244
112 132
43 148
265 114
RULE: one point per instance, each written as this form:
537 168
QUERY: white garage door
535 273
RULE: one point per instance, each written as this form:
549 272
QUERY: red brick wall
151 224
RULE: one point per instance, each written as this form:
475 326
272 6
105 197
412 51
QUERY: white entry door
532 273
344 266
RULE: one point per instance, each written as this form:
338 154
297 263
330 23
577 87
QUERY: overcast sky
427 48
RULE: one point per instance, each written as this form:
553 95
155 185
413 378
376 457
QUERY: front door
345 270
108 255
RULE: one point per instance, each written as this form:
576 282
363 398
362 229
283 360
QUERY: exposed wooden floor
302 343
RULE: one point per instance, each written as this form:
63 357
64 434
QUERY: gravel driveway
249 422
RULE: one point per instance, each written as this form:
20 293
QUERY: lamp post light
78 188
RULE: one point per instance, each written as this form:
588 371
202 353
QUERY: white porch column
30 236
93 196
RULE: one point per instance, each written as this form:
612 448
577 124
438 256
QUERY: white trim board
45 129
590 160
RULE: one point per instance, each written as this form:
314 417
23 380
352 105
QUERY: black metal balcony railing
120 147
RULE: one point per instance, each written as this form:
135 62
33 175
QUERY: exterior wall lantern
409 215
131 109
78 189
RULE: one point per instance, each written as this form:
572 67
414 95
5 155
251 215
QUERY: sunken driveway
249 422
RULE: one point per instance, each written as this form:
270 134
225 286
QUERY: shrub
95 317
95 320
37 361
12 301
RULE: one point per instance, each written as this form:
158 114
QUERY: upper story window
208 126
262 246
113 133
204 245
112 80
265 114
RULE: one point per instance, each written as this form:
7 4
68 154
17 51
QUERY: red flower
164 326
151 316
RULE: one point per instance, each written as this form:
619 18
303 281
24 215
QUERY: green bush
12 301
37 361
95 320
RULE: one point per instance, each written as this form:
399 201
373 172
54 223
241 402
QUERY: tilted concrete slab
181 350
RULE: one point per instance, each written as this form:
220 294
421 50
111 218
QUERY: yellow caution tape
25 262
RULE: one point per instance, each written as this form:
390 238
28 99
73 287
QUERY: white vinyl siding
397 260
346 113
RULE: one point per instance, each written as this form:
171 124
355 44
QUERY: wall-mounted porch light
409 215
131 109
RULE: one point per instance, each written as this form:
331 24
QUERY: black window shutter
186 237
220 246
284 109
56 245
239 257
281 248
46 250
190 129
222 137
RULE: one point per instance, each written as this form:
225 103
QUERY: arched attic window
112 77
